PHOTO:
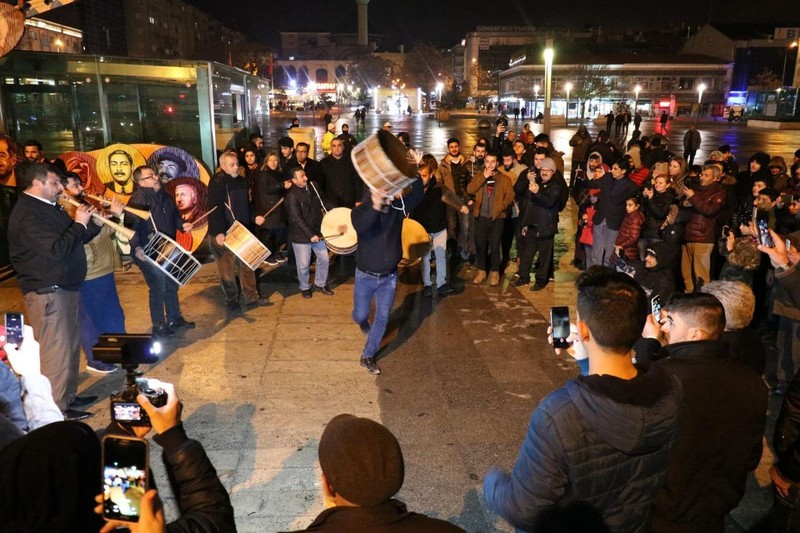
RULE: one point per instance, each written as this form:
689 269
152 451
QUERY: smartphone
559 321
14 327
655 307
126 462
726 230
763 234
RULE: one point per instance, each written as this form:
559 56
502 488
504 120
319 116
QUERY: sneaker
480 277
101 368
371 366
324 290
272 261
307 294
181 323
258 301
538 286
551 278
445 289
427 291
278 258
494 279
521 282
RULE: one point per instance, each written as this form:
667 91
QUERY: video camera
130 350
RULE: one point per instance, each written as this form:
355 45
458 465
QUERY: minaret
363 32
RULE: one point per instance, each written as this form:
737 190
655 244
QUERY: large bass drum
332 224
416 243
171 258
384 163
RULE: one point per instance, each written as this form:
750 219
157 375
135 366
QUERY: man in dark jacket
343 186
725 404
46 250
691 144
304 208
303 160
705 203
596 450
378 222
614 187
539 201
228 193
362 468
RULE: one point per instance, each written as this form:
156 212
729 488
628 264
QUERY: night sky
444 22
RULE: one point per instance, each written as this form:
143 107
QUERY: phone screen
14 323
763 234
125 463
559 321
655 307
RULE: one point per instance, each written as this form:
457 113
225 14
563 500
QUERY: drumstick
274 207
333 236
204 215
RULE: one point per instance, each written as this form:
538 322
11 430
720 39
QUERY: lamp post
568 88
536 90
548 82
636 91
700 89
785 57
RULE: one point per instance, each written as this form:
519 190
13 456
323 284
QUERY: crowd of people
658 433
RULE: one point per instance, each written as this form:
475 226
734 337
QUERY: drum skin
333 220
416 243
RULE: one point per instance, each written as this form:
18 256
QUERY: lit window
152 20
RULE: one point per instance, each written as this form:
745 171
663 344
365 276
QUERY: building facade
43 36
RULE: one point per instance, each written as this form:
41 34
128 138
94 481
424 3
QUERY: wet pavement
461 374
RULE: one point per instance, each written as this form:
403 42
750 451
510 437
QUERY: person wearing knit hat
328 137
362 468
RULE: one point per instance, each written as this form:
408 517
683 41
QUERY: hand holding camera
166 415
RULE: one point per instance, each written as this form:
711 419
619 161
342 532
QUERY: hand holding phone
559 321
125 476
14 328
764 236
655 307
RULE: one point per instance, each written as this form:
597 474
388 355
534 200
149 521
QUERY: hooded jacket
597 447
745 178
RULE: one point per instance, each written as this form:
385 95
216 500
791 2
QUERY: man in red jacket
705 202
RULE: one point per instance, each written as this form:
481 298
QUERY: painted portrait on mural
171 162
115 164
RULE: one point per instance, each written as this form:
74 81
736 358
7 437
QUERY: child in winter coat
631 229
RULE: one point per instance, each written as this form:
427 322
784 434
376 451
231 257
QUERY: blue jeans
100 312
163 294
302 255
382 289
438 249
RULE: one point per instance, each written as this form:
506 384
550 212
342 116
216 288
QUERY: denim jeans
438 250
466 236
382 289
100 312
163 294
302 255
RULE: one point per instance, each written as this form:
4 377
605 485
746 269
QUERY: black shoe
232 306
258 301
520 282
81 401
538 286
371 366
72 414
445 289
180 323
162 330
427 291
307 294
324 290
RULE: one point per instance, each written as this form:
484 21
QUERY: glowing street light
536 90
636 91
700 89
548 82
568 88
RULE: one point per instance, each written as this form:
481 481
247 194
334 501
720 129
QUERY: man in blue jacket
597 449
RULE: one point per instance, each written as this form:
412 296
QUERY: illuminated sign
326 87
663 103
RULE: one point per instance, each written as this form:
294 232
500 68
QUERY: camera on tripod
131 350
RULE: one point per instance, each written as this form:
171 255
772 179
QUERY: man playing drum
378 221
228 193
304 208
165 311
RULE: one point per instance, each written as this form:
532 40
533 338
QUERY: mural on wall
108 172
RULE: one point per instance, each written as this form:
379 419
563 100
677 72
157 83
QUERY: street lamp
568 88
536 90
636 91
700 89
439 87
785 57
548 82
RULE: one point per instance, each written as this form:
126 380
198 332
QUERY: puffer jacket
586 450
704 207
656 210
629 233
